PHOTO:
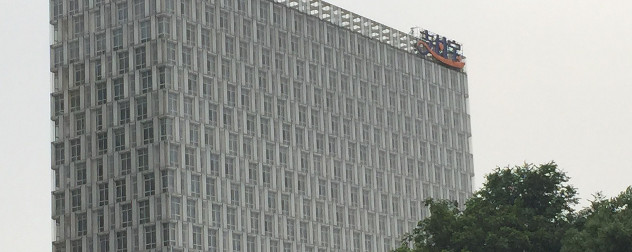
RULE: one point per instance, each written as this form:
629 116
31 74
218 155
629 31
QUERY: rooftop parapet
439 47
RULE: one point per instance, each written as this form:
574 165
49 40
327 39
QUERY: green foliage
605 226
525 208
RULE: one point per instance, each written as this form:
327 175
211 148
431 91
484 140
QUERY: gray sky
547 82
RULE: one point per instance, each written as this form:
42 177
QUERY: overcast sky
547 82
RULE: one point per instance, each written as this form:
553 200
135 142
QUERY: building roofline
359 24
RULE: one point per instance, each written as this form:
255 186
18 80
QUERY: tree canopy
524 208
605 226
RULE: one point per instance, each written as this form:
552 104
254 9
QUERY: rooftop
367 27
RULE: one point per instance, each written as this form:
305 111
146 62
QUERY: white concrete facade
246 125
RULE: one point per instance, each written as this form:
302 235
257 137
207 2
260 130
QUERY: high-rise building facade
247 125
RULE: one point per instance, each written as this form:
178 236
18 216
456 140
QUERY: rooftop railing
354 22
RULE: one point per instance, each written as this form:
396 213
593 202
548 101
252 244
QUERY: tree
525 208
605 226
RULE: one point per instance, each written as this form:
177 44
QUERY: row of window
176 237
206 13
144 185
396 84
268 153
233 218
268 106
288 181
451 133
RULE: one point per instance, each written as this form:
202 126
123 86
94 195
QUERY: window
119 139
117 39
174 155
118 87
126 163
214 164
254 222
250 198
75 149
190 33
126 215
224 21
250 125
187 60
229 168
235 195
140 57
80 124
236 242
268 225
58 54
176 208
58 8
124 113
267 105
192 84
188 107
150 184
121 12
169 234
101 94
75 101
267 177
98 114
216 215
228 118
226 69
79 74
82 224
197 237
231 218
139 8
210 188
123 61
171 52
185 8
189 158
121 241
229 46
141 109
145 81
265 128
100 220
76 246
233 143
150 237
103 194
191 210
99 48
73 50
104 243
231 95
59 154
247 147
164 26
212 239
143 212
102 144
270 153
121 190
148 132
145 30
59 104
212 114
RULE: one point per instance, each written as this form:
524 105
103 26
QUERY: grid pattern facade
243 125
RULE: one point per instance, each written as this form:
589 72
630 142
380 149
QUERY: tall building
248 125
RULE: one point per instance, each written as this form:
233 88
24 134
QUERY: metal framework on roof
357 23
